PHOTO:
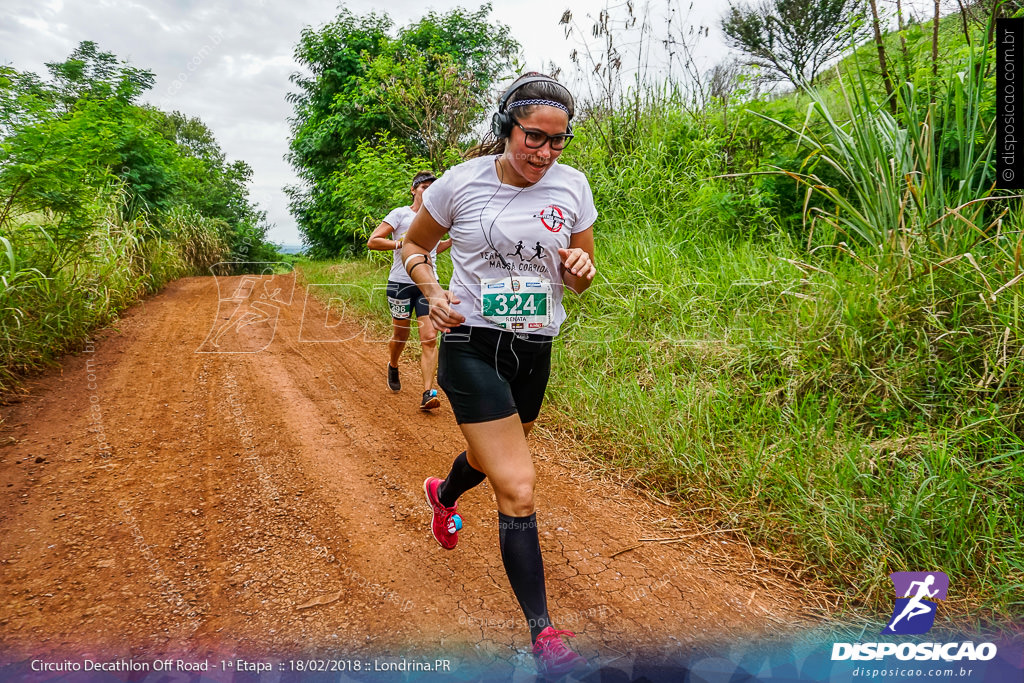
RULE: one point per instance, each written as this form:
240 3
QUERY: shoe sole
426 493
431 404
581 668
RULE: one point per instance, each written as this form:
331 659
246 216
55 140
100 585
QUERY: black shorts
489 374
404 298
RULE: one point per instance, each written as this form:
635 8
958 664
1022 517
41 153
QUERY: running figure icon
919 599
518 252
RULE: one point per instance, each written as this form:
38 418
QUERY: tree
85 119
330 115
192 135
876 27
432 106
484 50
70 145
24 100
425 88
88 72
433 83
207 182
794 39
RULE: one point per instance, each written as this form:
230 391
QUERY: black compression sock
462 478
520 552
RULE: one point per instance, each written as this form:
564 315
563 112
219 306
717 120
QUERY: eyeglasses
535 139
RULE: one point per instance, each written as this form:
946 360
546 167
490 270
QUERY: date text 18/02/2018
402 664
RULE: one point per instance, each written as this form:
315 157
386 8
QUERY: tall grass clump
916 179
846 386
58 285
932 327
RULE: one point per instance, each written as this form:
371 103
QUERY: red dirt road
223 473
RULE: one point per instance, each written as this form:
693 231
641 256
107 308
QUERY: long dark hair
540 90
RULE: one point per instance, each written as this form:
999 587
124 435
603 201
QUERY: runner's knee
516 498
400 333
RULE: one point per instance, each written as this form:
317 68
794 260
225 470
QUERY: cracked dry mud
226 472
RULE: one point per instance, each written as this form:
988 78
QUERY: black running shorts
489 374
403 298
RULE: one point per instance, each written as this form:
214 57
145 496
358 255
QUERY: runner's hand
442 314
577 261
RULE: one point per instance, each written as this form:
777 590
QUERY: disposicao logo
917 595
914 612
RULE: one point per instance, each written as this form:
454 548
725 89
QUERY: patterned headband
550 103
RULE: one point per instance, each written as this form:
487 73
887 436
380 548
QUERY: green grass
361 286
859 404
805 407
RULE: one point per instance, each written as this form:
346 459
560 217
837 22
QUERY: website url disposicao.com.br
904 673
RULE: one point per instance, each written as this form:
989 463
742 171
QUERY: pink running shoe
445 524
553 657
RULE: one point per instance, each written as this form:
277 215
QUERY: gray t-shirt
502 231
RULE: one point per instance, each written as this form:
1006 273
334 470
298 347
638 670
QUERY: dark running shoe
393 383
430 400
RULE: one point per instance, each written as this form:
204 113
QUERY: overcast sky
228 62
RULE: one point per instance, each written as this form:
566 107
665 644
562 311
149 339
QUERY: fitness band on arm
426 259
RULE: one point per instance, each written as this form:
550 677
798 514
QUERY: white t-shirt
498 230
400 219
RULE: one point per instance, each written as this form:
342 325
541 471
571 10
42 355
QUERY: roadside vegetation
104 200
807 323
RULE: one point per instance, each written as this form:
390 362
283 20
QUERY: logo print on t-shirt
552 218
538 251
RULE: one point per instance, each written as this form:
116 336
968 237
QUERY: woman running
404 296
499 317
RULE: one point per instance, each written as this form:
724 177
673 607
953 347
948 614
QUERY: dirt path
175 491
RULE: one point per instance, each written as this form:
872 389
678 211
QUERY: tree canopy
90 73
423 87
81 134
793 39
